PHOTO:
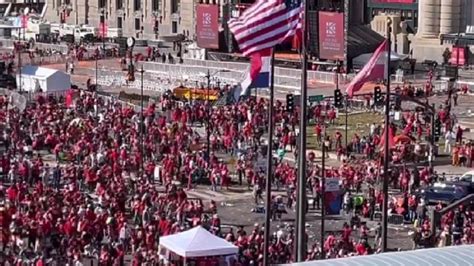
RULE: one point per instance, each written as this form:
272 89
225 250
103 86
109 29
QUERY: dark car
446 193
7 81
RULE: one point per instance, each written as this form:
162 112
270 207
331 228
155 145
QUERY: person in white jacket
449 137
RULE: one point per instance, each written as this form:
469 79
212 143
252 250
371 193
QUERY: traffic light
437 129
131 73
338 98
378 95
290 102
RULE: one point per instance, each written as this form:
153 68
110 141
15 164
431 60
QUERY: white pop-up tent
41 79
363 59
197 242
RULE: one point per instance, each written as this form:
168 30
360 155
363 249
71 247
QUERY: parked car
445 193
467 177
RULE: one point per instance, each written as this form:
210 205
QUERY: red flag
297 40
391 142
371 71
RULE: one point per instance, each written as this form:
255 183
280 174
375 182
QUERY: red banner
103 28
458 56
207 27
331 35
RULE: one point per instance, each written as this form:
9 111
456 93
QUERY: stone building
438 22
142 19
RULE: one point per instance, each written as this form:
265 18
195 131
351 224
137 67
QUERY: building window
102 3
174 27
137 24
155 5
175 5
137 5
119 4
119 22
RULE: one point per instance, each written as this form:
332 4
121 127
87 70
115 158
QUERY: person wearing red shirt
12 193
163 226
361 248
346 233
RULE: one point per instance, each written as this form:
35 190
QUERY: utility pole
386 145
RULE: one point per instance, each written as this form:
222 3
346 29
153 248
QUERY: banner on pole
207 26
332 196
331 35
458 56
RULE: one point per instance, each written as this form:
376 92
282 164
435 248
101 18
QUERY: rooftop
455 255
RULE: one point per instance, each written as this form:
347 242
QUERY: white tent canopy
365 58
195 52
197 242
36 79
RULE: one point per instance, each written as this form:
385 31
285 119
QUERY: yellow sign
196 94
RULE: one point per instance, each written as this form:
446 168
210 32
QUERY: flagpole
386 145
323 192
301 203
268 187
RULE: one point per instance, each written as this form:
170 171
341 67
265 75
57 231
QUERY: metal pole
208 129
142 124
103 29
268 188
19 67
346 122
386 147
457 57
301 203
96 68
432 137
323 191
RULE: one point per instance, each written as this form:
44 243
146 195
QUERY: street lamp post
386 157
104 14
20 86
96 67
457 56
323 191
142 124
432 137
208 124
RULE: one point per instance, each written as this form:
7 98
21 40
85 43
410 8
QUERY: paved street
235 205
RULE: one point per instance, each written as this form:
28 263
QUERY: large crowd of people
84 178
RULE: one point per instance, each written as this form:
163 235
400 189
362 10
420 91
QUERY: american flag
266 23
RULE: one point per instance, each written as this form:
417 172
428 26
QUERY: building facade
407 10
440 20
142 19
